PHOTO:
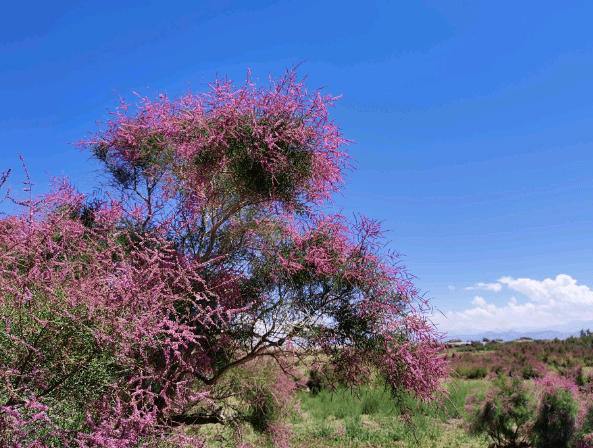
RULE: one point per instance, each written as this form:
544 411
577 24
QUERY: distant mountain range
557 331
511 335
563 331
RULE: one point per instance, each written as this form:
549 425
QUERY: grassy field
343 419
370 418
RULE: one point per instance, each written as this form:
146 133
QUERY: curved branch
196 419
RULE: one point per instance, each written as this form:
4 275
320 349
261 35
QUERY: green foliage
370 404
316 383
152 158
251 162
453 405
502 412
354 429
554 425
372 418
579 378
324 431
255 179
261 410
78 371
528 371
262 395
585 429
586 339
471 371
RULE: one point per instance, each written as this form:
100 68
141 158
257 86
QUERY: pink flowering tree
91 324
215 254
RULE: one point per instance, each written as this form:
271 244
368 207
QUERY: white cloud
479 301
451 288
563 290
487 286
550 302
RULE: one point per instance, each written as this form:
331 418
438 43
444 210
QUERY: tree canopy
123 318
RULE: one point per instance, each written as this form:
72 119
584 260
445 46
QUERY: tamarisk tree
216 253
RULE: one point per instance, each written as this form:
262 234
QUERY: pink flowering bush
529 360
585 441
565 413
266 161
552 411
524 361
584 427
269 393
555 421
85 338
123 319
503 413
584 432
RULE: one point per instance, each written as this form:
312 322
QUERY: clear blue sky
472 120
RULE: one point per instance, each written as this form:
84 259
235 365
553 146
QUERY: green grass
372 419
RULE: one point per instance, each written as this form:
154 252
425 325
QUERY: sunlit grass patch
372 419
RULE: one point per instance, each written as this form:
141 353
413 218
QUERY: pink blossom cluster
59 278
216 254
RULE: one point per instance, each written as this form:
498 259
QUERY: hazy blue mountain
511 335
562 331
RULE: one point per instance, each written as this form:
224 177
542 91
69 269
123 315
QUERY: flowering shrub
529 360
584 432
269 394
471 370
555 419
502 413
265 161
511 360
584 441
125 317
279 433
316 382
84 337
548 416
561 404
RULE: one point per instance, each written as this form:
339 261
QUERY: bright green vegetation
370 419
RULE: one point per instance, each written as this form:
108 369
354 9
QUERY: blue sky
472 123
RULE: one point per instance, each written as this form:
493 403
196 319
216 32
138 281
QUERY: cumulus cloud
479 301
550 302
563 290
487 286
451 288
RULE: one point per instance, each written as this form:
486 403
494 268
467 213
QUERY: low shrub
471 371
584 433
586 441
555 421
577 374
370 404
502 413
465 348
529 371
496 369
279 433
324 431
454 403
316 382
261 411
267 399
